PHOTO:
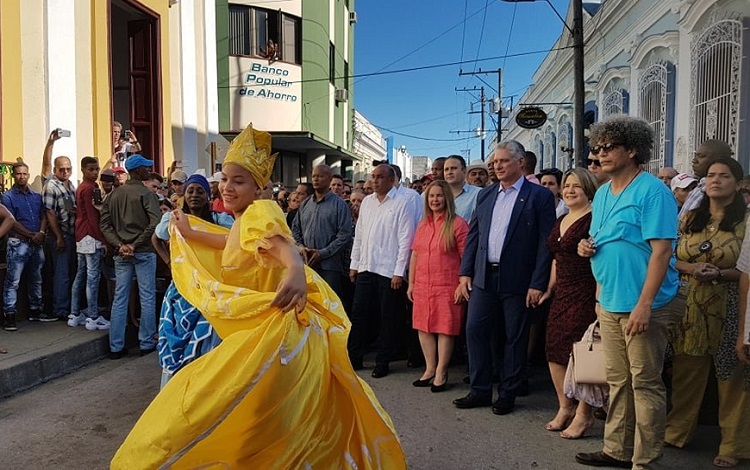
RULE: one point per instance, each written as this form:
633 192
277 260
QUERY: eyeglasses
606 147
590 162
177 182
346 193
163 186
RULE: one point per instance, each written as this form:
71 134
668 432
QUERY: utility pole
482 100
499 72
578 88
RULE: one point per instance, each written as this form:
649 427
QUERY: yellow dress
279 392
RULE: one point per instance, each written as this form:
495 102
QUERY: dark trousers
486 309
332 278
373 296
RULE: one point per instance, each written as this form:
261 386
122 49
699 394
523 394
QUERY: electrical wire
427 120
510 30
410 69
481 32
414 136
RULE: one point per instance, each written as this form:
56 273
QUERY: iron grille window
271 34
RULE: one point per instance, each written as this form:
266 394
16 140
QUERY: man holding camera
25 247
59 200
124 144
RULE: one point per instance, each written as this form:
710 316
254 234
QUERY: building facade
79 65
369 145
682 65
420 166
286 68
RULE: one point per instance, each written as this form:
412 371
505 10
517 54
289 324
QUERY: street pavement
78 421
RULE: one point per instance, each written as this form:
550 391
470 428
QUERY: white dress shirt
506 199
384 233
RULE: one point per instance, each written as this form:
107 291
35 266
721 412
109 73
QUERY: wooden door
144 90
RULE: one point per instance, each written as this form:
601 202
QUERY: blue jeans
22 254
144 267
88 274
62 265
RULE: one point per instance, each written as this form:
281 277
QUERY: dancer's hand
291 291
180 221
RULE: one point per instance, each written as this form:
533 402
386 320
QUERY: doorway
136 75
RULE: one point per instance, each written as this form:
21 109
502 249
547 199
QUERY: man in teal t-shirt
633 233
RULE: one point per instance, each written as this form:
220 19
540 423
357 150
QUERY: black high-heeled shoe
440 388
423 382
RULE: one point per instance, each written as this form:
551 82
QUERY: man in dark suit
504 270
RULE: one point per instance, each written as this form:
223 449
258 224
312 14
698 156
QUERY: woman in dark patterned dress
573 292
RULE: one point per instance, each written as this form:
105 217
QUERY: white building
680 64
369 145
420 166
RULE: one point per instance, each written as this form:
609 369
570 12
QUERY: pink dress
436 278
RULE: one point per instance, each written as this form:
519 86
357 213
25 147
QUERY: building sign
268 82
531 118
268 94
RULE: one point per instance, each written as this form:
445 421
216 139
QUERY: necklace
614 204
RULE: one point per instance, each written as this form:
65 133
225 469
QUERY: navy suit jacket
524 260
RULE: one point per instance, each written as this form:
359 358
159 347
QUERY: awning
302 141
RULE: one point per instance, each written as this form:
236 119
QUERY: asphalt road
78 421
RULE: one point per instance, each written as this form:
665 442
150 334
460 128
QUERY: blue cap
198 179
136 161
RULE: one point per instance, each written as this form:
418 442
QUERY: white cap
682 181
215 178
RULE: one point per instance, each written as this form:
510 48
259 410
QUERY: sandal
578 428
723 461
561 421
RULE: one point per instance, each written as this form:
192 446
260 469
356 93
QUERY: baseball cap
137 161
178 175
118 169
107 175
682 181
215 178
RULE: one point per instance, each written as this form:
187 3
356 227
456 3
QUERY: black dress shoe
503 406
472 401
357 364
380 371
439 388
423 382
523 388
118 354
467 379
600 459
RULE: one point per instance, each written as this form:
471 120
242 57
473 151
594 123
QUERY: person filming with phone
59 200
124 143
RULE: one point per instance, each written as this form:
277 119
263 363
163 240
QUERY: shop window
332 63
271 34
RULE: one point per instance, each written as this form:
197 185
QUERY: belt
493 266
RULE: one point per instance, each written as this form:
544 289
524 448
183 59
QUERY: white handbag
588 358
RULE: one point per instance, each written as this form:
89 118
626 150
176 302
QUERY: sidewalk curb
28 374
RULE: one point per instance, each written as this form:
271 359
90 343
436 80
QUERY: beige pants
637 396
689 379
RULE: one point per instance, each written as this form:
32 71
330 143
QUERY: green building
287 70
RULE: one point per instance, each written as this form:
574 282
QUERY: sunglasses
606 147
590 162
163 186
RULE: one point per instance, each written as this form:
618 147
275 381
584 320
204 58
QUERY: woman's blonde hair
447 237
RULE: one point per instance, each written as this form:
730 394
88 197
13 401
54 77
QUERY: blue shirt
221 219
466 201
26 207
501 213
621 226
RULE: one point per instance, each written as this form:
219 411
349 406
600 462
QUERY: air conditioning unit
352 17
341 95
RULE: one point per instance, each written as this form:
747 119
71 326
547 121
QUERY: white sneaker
99 323
76 320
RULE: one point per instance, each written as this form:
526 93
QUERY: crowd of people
483 259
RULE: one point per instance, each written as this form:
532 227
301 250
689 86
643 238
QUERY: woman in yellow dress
279 392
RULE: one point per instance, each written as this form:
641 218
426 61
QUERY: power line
510 31
481 32
414 136
410 69
428 120
463 33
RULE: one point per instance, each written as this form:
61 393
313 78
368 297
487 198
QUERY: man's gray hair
514 148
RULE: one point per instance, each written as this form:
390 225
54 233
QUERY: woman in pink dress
433 277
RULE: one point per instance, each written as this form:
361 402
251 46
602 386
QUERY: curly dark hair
734 213
632 133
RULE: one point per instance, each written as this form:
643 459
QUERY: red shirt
87 216
218 206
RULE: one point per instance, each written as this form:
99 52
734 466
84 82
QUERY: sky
393 35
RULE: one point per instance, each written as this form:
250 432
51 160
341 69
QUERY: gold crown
251 150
